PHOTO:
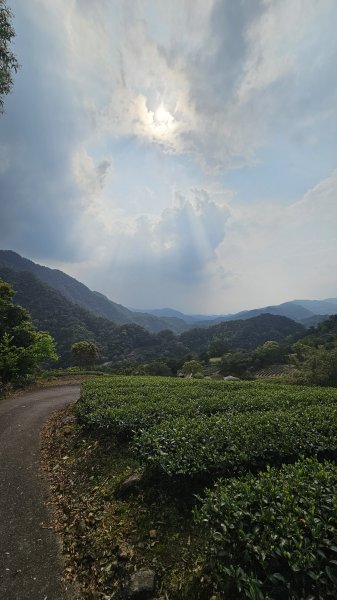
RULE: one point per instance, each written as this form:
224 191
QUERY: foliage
22 347
191 367
241 334
244 363
315 366
123 405
265 536
230 445
274 536
85 353
8 62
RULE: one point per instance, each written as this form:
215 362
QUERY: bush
273 537
231 445
125 404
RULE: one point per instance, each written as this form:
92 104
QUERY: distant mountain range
128 343
306 312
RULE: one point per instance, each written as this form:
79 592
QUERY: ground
31 566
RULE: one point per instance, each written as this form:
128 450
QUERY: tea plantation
263 456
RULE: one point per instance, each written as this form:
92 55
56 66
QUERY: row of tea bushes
230 445
274 537
124 405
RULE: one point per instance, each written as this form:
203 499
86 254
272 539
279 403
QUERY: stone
130 485
141 584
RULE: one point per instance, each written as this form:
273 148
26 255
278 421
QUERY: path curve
30 561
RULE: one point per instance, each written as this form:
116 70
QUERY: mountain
320 307
171 312
52 312
68 323
129 343
307 312
244 334
78 293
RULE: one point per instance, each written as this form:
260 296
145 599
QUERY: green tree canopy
314 366
8 62
192 367
22 346
85 353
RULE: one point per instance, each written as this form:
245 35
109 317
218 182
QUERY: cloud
279 252
153 259
115 152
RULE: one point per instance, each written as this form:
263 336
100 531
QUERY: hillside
245 334
78 293
68 322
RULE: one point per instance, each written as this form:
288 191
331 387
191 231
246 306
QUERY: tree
315 366
85 353
192 367
22 346
8 62
269 353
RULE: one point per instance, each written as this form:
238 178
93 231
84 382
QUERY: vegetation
231 445
273 537
8 61
85 353
268 529
126 347
124 405
22 347
241 334
75 292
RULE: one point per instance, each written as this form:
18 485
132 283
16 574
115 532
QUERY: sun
163 117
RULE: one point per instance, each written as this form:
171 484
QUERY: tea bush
123 405
274 537
230 445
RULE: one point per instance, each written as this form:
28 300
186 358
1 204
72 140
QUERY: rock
231 378
141 584
130 485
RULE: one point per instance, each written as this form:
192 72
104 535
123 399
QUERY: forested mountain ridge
245 334
95 302
68 323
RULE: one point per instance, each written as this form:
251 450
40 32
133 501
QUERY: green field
261 458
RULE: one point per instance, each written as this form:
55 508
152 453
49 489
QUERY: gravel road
30 561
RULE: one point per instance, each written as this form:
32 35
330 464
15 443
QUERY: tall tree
8 61
22 346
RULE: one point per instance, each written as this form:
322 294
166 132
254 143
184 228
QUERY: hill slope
80 294
245 334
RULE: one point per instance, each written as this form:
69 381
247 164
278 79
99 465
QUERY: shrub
274 536
230 445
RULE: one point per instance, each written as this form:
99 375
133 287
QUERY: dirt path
30 562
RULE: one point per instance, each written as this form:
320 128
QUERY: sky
175 153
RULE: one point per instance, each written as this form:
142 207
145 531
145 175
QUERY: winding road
30 561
